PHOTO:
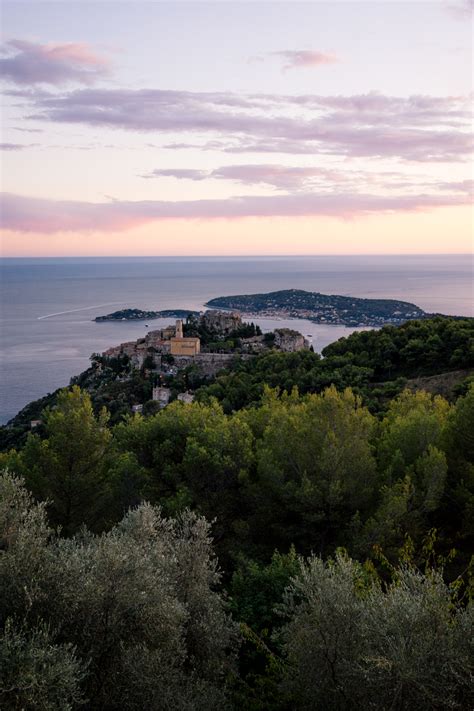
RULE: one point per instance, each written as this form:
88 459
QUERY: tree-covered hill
337 571
141 315
375 363
322 308
415 348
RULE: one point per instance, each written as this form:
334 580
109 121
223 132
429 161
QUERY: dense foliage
351 643
375 364
344 534
129 619
416 348
219 342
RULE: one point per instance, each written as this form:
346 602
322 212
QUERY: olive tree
137 607
36 673
351 643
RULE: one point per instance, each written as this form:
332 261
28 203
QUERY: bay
48 305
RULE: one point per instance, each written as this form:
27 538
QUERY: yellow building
190 346
180 346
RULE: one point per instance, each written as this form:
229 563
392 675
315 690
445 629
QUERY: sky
232 128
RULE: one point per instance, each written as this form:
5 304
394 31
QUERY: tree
417 347
413 422
316 470
135 607
257 588
351 644
460 435
36 673
414 472
458 507
194 456
69 466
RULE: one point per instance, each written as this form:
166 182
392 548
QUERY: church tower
184 346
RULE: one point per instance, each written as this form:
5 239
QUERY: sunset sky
190 128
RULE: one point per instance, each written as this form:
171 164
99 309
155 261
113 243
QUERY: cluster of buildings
169 340
150 351
162 396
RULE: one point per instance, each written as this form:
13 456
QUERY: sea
48 305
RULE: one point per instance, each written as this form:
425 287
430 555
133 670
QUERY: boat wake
83 308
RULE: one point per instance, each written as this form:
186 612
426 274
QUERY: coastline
41 354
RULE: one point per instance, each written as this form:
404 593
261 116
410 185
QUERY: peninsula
294 303
139 315
321 308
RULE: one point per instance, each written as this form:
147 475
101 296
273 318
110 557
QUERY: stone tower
179 328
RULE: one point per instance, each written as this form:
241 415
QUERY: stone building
154 344
168 332
290 341
254 344
161 395
187 398
221 321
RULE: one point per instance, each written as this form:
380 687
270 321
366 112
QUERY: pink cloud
305 58
16 146
241 145
26 214
179 173
29 63
307 178
417 128
28 130
461 186
281 177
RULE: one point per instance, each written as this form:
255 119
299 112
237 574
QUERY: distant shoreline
321 308
140 315
295 304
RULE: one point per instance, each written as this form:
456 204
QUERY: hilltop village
207 343
213 333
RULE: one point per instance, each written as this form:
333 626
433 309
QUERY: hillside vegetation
300 537
375 364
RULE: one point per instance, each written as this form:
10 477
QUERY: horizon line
237 256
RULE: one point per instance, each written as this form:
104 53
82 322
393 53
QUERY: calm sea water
47 305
